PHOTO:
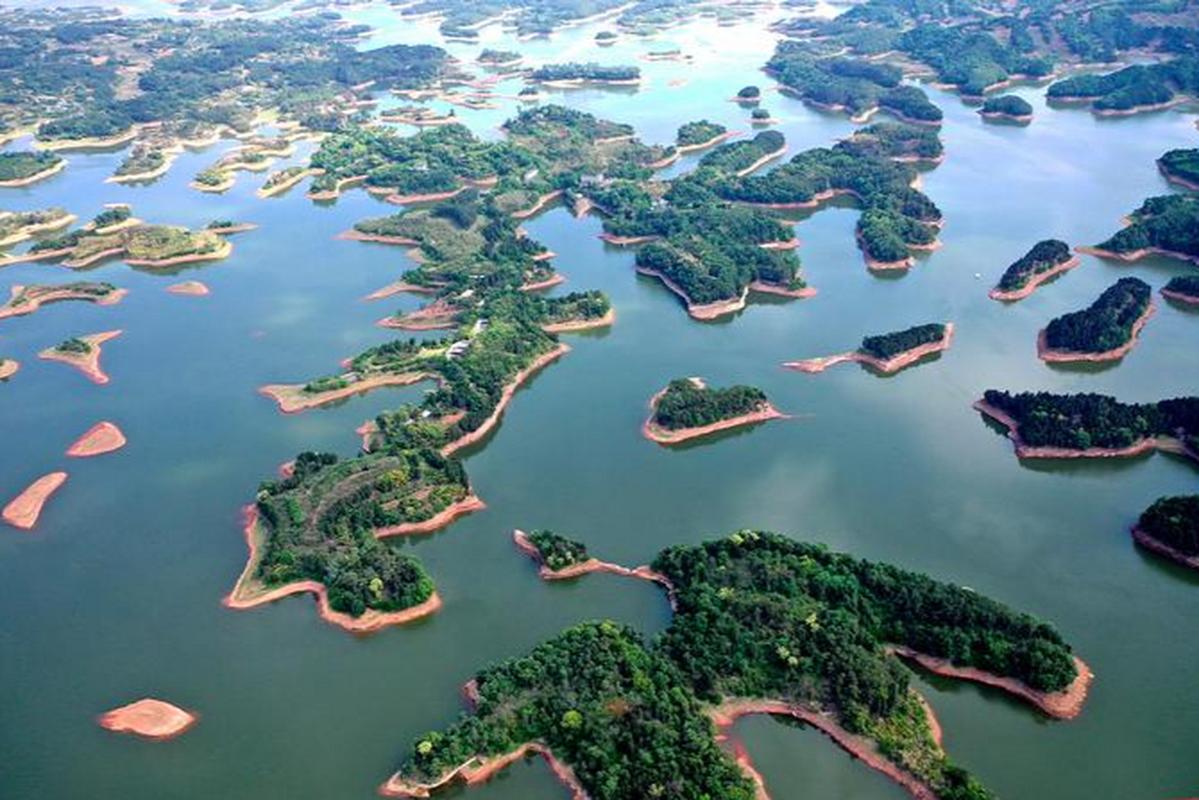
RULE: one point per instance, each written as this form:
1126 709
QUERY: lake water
116 594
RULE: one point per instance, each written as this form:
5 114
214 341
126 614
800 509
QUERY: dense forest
888 345
1132 87
685 404
22 164
759 616
1007 105
1173 521
1183 284
1044 256
1182 164
584 72
557 552
693 133
1080 421
1167 222
1106 324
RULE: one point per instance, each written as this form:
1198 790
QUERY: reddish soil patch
101 438
23 511
149 718
887 366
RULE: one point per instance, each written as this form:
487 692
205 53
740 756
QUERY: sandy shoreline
428 197
541 203
8 368
1177 179
887 366
573 326
728 712
762 287
148 718
396 288
550 282
89 142
1135 255
292 398
15 183
24 509
248 593
338 188
1030 286
88 363
357 236
55 295
103 437
1065 704
1022 119
505 398
627 241
188 288
1160 548
766 159
1181 297
26 232
1141 447
283 185
655 433
1049 355
222 251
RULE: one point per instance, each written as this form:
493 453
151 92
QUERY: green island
1181 167
1105 330
748 94
855 86
22 167
976 47
27 299
557 552
699 133
138 244
1044 259
1047 425
762 624
1132 89
142 163
499 58
1170 528
17 226
585 73
1165 225
689 409
888 345
1007 107
105 80
1184 288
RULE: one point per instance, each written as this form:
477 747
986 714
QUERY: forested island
22 167
1046 259
18 226
1183 288
762 624
1170 528
27 299
1166 225
114 234
1104 331
1047 425
589 73
888 352
1181 167
1133 89
689 409
1010 107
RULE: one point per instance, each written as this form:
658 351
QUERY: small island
755 630
83 353
1047 425
144 163
749 95
114 234
887 353
700 135
23 168
688 409
1170 528
572 75
150 719
1047 259
103 437
606 38
25 509
1181 167
8 368
1183 288
560 558
189 288
499 59
1107 330
17 226
1008 108
1163 225
761 117
27 299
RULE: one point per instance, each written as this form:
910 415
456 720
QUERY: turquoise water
116 594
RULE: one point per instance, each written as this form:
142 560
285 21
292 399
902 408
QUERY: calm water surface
116 594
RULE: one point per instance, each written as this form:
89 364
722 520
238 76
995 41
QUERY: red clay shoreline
243 596
290 400
1052 356
705 311
56 295
1181 297
459 508
476 770
87 363
1167 444
1135 255
888 366
1033 282
521 540
103 437
1064 704
1164 550
149 718
24 509
665 437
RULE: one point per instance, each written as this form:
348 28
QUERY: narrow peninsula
889 352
